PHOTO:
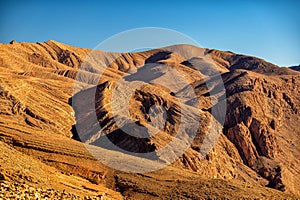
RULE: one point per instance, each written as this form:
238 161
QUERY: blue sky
266 29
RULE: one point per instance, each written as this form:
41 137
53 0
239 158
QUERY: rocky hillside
256 154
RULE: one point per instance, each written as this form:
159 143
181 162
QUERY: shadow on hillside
116 140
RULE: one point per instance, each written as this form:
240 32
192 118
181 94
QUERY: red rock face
258 119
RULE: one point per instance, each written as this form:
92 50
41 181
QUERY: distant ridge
297 68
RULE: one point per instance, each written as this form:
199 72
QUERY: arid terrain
45 85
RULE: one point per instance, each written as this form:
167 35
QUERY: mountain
49 134
296 68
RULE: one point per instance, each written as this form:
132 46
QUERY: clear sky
266 29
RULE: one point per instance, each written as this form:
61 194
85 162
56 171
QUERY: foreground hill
256 154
